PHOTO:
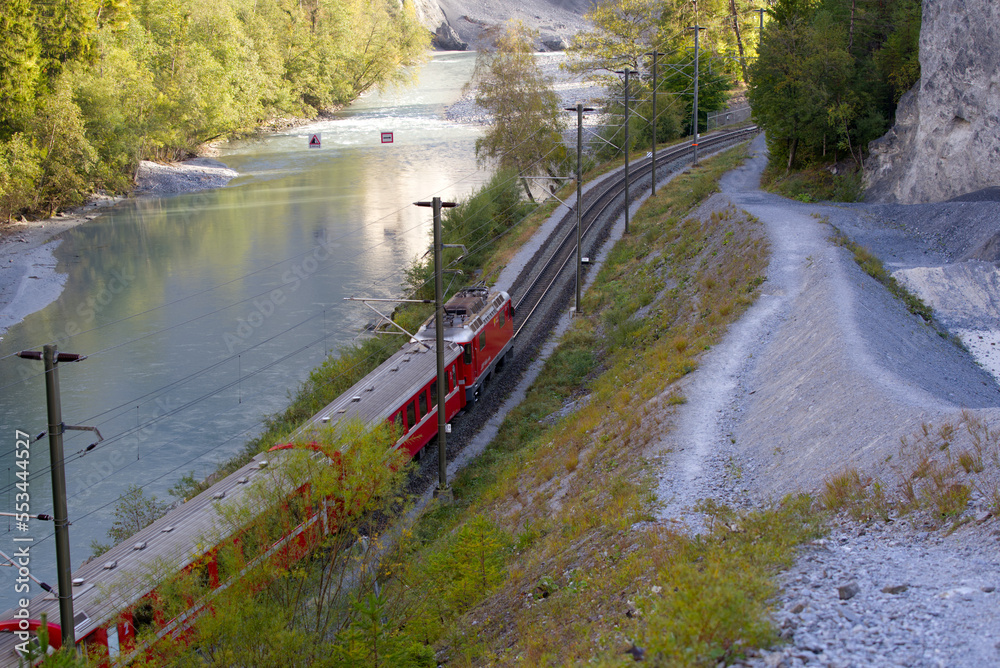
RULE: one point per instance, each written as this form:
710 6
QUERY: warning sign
386 137
314 141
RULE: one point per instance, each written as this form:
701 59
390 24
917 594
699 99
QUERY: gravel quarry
829 371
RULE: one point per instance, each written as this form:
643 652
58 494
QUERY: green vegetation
829 73
524 132
324 610
544 558
815 183
933 475
874 268
627 31
88 88
480 223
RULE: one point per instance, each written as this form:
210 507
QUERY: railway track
543 291
600 210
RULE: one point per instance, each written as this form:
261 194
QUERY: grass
934 475
554 518
816 183
874 268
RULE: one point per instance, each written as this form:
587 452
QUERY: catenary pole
579 202
442 387
697 30
51 358
655 56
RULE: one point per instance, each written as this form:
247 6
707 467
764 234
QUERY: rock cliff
461 24
946 141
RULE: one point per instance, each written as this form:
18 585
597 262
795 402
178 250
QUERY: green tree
829 73
525 125
66 29
20 51
66 155
19 172
787 98
623 31
134 511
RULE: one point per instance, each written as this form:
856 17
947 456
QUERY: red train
478 333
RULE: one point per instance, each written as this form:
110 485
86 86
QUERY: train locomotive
112 630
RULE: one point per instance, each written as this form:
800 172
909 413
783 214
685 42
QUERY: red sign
314 141
386 137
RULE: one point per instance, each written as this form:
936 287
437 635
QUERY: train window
482 339
434 393
467 356
411 416
451 378
503 319
423 403
397 419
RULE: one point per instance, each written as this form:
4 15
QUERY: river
200 313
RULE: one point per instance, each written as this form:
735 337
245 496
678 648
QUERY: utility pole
442 387
761 12
627 72
655 56
579 109
697 30
579 201
51 358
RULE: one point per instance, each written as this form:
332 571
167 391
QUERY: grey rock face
447 39
946 141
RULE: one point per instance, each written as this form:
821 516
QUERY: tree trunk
739 39
850 39
791 154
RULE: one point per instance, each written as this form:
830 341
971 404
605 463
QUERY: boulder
446 39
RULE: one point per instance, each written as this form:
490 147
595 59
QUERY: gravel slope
828 371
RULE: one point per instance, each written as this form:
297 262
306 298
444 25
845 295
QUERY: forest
829 74
89 88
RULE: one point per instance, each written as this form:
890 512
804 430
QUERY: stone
848 591
895 589
944 143
553 42
447 39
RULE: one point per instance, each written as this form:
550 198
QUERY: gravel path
828 371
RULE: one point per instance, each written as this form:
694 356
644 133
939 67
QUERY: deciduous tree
525 121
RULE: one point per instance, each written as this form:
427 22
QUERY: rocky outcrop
447 39
946 141
464 24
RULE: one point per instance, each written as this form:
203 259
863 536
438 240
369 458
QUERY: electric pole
655 56
51 358
627 72
697 30
442 387
579 109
